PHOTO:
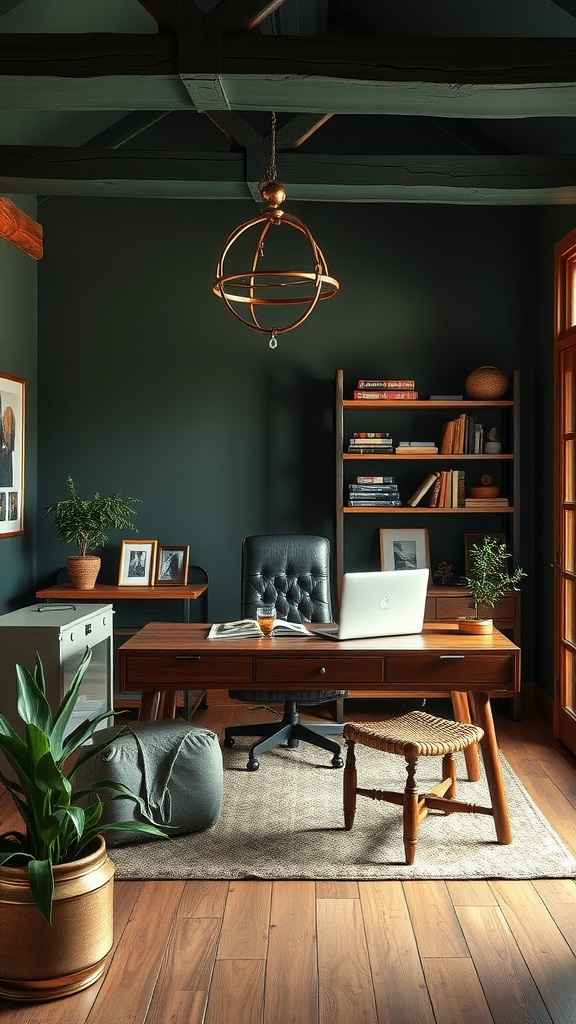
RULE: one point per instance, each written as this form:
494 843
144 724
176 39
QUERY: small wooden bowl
484 492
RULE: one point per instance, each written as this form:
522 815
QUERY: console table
440 661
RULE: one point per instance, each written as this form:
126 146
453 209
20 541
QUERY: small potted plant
55 877
85 522
490 578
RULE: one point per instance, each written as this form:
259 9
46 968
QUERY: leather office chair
291 572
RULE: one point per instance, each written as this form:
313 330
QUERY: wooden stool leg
449 772
461 709
410 811
482 713
149 703
169 704
350 782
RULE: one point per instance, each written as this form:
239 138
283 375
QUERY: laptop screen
388 603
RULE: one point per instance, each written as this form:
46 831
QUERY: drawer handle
322 671
452 657
187 657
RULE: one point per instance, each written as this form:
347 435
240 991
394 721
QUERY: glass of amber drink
266 616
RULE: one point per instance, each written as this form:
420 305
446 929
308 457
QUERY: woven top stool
414 735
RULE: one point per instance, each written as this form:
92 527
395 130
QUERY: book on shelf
375 480
374 503
435 492
423 489
372 433
385 396
369 450
416 444
374 495
240 628
486 502
388 385
446 398
416 450
372 488
376 442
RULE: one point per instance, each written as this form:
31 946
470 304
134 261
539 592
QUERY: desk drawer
433 668
182 668
450 608
327 672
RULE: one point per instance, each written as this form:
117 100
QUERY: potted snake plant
490 577
55 875
85 522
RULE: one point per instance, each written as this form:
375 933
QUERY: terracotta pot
83 570
39 961
475 626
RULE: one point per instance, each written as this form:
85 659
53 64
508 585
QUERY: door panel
565 492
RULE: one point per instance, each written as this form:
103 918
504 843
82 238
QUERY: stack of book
416 448
383 493
370 443
462 436
494 503
386 390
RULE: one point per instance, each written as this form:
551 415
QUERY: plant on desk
490 578
85 522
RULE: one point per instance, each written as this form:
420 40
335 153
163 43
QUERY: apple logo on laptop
384 603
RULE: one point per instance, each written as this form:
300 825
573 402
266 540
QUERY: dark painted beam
453 77
126 128
567 5
9 5
490 180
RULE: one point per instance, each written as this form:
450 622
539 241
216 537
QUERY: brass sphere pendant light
260 286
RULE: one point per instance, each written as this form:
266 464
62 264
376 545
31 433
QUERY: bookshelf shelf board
426 510
418 456
371 403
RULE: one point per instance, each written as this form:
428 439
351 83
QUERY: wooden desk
437 662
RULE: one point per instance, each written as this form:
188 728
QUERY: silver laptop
380 604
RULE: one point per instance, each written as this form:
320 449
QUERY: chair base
290 730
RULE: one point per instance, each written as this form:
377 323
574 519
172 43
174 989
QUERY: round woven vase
487 383
83 570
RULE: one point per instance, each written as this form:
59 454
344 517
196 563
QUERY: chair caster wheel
253 765
337 761
228 741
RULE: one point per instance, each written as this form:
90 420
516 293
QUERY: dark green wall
18 316
149 385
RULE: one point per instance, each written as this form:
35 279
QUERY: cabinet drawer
432 668
453 607
326 672
182 668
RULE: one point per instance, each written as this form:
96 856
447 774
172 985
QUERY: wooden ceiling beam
456 77
21 230
476 180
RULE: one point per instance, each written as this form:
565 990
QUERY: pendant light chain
271 174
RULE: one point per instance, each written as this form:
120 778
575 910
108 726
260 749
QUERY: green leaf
64 712
32 704
42 886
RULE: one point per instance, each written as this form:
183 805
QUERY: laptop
386 603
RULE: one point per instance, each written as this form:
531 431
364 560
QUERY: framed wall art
172 565
11 455
137 563
404 549
477 538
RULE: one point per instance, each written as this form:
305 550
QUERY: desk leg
461 709
149 704
482 715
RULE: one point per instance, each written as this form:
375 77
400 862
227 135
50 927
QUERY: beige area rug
285 821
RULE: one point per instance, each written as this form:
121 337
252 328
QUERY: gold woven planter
83 571
39 961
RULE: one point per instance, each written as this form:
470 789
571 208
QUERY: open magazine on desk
249 628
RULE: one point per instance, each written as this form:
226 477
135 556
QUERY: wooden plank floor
427 952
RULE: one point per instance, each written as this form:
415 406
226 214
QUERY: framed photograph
137 563
404 549
172 565
11 455
477 538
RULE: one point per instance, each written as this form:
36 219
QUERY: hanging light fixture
261 286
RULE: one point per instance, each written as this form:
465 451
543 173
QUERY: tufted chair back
290 571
